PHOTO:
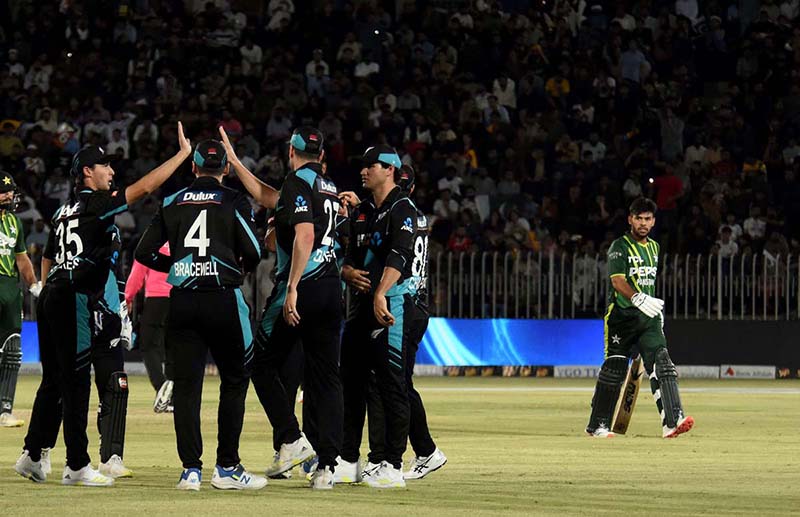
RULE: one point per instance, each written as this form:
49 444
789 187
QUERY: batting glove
649 305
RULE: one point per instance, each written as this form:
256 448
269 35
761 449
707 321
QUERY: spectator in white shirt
594 146
450 181
505 90
755 227
145 132
251 58
736 228
316 60
791 151
118 145
445 206
726 246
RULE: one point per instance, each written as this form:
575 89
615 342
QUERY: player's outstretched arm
150 182
26 272
264 195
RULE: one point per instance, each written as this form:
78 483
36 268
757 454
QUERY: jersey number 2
330 208
197 236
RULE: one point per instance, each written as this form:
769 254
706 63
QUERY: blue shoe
236 478
310 466
190 479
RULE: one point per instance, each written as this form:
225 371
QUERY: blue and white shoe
236 478
190 479
310 466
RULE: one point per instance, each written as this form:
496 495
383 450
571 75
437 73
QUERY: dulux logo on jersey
201 197
300 205
327 186
407 225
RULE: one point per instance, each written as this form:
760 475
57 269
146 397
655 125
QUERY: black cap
210 155
89 156
6 182
307 139
384 154
406 179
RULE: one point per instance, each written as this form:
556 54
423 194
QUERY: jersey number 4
197 236
67 236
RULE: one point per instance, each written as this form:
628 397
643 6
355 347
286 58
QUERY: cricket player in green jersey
14 262
634 323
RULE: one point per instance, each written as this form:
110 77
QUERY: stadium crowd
530 128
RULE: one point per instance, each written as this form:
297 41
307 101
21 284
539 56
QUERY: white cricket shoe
347 472
685 424
291 455
30 469
424 465
387 477
601 432
236 478
369 470
9 420
46 467
87 476
164 398
190 479
322 479
114 468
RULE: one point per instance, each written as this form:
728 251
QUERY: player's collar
314 166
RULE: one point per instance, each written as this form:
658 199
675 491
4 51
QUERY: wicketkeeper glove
649 305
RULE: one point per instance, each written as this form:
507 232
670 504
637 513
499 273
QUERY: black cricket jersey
307 197
419 264
80 244
211 234
385 236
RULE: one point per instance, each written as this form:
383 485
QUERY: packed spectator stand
530 128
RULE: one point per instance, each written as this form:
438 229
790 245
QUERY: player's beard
640 233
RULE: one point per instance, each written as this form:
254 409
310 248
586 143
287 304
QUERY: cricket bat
628 396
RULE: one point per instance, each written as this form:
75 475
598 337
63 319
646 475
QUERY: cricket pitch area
515 446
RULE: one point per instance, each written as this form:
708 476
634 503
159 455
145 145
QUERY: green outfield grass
515 446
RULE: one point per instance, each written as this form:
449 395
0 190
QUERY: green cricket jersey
638 263
12 242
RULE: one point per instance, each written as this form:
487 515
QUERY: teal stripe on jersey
273 310
111 293
248 232
396 330
407 286
244 321
116 211
308 176
170 199
84 332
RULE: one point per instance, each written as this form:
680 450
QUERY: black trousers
106 360
418 433
320 308
291 375
200 321
152 328
65 337
372 351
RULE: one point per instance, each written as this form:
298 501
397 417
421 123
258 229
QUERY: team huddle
203 240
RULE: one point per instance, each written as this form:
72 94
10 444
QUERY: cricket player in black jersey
212 242
76 260
427 456
306 305
379 264
111 333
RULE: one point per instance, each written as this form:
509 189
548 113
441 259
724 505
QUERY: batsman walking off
634 322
